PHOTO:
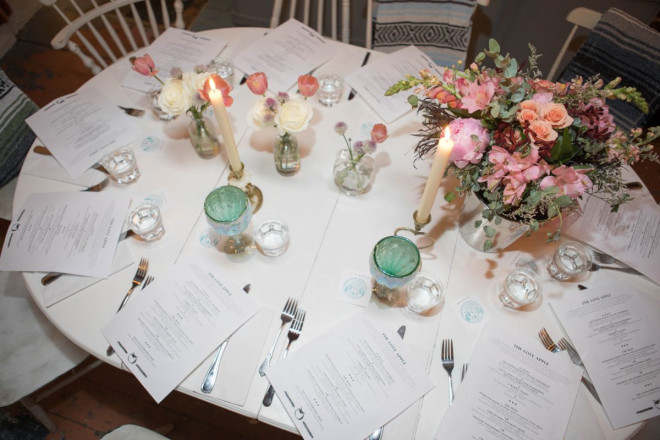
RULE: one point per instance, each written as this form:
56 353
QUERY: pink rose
379 133
556 114
144 65
542 132
529 104
308 85
465 149
526 114
257 83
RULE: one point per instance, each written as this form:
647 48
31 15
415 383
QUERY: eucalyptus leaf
488 245
490 231
450 196
493 45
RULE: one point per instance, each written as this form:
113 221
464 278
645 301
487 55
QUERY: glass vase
471 227
204 137
286 155
353 177
152 98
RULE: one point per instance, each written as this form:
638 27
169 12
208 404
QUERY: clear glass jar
204 137
152 98
286 154
351 177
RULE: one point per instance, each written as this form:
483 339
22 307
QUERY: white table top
330 232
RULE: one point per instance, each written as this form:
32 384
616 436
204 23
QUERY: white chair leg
38 412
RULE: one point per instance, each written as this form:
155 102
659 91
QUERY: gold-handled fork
547 341
287 315
448 364
294 334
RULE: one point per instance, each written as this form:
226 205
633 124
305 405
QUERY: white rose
174 98
194 81
294 116
260 115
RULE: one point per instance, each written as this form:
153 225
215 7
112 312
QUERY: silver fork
547 341
132 111
594 267
294 334
140 274
448 364
212 374
602 257
464 371
287 316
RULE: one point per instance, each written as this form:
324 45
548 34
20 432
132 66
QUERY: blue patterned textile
439 28
621 45
15 135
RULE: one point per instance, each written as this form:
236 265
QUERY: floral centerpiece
354 167
527 147
288 113
184 93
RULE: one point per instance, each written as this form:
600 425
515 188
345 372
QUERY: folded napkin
621 45
439 28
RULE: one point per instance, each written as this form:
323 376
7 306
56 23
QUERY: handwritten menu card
286 52
372 81
514 389
70 232
174 48
615 329
164 333
80 128
630 235
349 381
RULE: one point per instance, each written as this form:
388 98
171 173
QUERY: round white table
330 233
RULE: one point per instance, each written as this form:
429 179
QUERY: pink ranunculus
556 114
570 181
308 85
257 83
478 96
542 131
465 149
379 133
144 65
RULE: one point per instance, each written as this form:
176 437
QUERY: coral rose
556 114
542 132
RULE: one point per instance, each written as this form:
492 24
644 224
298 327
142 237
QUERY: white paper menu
70 232
349 381
630 235
164 333
286 52
372 81
174 48
80 128
616 329
514 389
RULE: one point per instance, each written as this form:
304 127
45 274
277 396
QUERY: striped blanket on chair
621 45
439 28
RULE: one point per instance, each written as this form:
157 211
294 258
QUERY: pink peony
466 150
570 181
257 83
308 85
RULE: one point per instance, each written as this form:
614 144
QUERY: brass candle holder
417 231
242 179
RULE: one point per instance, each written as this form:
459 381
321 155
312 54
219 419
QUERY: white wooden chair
580 17
111 29
293 11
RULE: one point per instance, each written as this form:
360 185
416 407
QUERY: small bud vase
204 137
353 177
286 155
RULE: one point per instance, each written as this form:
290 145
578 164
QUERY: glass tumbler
520 288
393 262
122 166
570 260
228 212
146 221
331 87
272 237
423 293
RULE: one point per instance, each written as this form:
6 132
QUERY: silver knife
377 434
212 373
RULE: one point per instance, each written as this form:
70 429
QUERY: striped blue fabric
15 135
439 28
621 45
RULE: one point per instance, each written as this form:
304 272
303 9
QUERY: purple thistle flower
340 128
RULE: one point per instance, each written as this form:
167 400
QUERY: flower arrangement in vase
354 167
288 113
528 148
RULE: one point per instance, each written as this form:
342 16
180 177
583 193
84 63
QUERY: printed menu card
372 81
286 52
174 48
70 232
80 128
349 381
615 329
515 389
164 333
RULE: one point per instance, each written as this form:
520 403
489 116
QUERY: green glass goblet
394 261
228 212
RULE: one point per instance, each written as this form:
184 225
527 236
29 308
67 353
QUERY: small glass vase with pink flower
287 113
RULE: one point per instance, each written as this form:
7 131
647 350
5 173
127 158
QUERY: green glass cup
393 262
228 212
